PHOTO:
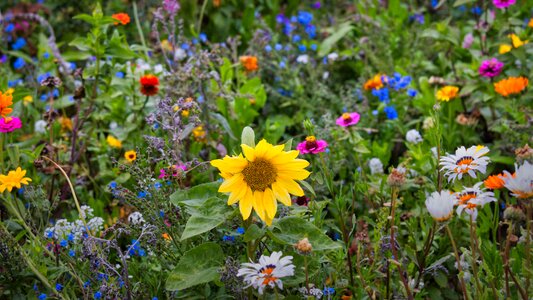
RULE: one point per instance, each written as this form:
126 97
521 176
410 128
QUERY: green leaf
212 213
462 2
220 118
331 40
307 187
360 148
195 196
288 145
253 233
290 230
248 136
196 266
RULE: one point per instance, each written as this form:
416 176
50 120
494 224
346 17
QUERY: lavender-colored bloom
316 5
491 68
468 40
171 6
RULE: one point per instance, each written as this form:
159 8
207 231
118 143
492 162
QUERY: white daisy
267 272
472 198
465 161
413 136
521 182
440 205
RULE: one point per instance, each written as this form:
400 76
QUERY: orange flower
511 85
216 3
530 24
166 236
249 63
373 83
149 85
122 18
5 101
447 93
494 182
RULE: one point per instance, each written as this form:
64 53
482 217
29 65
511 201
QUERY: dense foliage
266 149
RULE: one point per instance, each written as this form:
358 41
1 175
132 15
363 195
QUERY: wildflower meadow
264 149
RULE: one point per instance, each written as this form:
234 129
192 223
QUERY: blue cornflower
119 74
278 47
46 55
141 252
302 48
70 237
375 112
49 234
102 276
98 295
141 194
305 17
203 37
296 38
194 41
282 64
19 43
412 92
72 253
329 291
268 48
185 46
10 27
311 31
240 230
63 243
19 63
156 126
476 10
314 47
59 287
382 94
161 213
43 77
112 185
228 238
157 185
391 112
434 3
42 296
35 288
86 284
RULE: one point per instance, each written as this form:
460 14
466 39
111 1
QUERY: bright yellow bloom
373 83
13 179
113 142
130 155
504 48
10 91
265 174
511 85
185 113
166 45
447 93
199 133
517 42
66 123
27 100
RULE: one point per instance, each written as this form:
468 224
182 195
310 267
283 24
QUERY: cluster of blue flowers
231 238
135 249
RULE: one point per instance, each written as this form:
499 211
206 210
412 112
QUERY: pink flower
468 40
9 124
348 119
491 68
312 145
501 4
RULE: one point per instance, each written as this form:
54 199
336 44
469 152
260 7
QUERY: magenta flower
312 145
348 119
501 4
491 68
9 124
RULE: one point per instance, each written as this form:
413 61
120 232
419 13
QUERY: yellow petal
281 194
237 194
230 164
294 174
249 152
229 185
291 186
294 164
270 204
258 204
245 205
262 148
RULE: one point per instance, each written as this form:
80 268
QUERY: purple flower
9 124
491 68
468 40
171 6
501 4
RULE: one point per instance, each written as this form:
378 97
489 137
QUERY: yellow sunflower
263 175
13 179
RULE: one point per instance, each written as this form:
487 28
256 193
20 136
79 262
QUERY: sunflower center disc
259 174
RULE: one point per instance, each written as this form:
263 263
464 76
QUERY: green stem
458 260
474 257
201 18
139 29
528 246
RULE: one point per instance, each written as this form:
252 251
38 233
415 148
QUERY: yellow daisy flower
113 142
265 174
130 155
447 93
504 48
13 179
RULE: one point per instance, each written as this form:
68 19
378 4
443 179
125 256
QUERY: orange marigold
249 63
122 18
6 100
511 85
494 182
447 93
149 85
530 24
374 83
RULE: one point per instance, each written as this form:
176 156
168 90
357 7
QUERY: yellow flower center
259 174
310 139
346 117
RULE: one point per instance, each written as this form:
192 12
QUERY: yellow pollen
310 139
346 116
259 174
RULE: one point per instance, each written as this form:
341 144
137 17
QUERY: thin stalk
474 257
360 275
458 260
201 18
306 274
528 246
139 29
507 268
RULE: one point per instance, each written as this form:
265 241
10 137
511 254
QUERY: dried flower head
303 246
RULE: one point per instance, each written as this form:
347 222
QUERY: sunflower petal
281 194
245 205
270 203
291 186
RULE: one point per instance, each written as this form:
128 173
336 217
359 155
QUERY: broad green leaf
196 266
290 230
252 233
212 213
220 118
331 40
196 195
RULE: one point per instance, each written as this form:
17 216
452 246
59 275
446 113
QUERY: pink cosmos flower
501 4
491 68
312 145
9 124
348 119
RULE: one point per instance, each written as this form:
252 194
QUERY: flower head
6 100
113 142
312 145
472 198
374 83
347 119
440 205
494 182
504 48
249 63
13 179
9 124
267 272
267 173
491 68
521 182
413 136
511 85
122 18
130 155
465 161
447 93
517 42
501 4
149 85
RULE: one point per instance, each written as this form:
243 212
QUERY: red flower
122 18
149 85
